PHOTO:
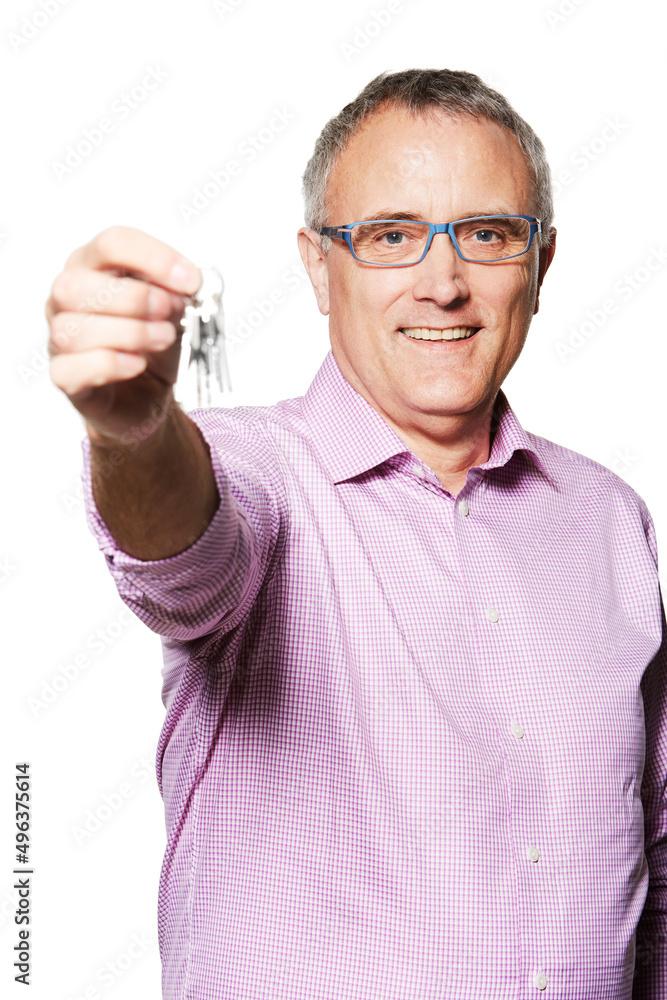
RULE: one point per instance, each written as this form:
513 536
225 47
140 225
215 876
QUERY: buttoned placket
472 494
464 505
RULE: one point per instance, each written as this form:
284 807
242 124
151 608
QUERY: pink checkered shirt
406 732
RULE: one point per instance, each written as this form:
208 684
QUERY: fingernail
156 303
185 278
160 334
129 364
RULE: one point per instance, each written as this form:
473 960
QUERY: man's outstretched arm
187 539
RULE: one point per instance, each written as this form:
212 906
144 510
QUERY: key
203 324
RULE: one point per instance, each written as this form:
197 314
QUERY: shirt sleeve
210 586
650 981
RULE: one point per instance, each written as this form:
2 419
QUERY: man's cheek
516 297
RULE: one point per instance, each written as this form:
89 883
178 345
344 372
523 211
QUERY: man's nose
441 275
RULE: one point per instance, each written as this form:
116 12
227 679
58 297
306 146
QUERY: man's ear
317 266
546 256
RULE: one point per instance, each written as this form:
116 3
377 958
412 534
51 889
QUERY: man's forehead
397 155
421 136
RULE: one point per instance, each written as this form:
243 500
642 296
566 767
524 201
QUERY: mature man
416 731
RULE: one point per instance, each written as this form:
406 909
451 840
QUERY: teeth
424 333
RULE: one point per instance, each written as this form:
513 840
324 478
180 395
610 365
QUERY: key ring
203 325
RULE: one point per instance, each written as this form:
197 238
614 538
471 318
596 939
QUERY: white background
226 71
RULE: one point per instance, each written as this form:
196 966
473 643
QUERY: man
406 642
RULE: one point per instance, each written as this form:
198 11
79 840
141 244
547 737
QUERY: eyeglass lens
394 242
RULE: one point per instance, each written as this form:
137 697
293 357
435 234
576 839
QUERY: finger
76 332
78 373
171 307
86 291
136 252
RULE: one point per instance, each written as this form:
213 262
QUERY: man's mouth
430 333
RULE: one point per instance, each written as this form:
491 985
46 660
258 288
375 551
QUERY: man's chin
448 402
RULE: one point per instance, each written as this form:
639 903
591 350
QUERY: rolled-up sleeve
210 586
650 981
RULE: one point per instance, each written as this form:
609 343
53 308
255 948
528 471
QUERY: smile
427 333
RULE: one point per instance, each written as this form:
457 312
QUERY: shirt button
492 615
534 855
463 507
418 471
517 730
540 981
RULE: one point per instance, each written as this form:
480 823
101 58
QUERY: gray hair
454 92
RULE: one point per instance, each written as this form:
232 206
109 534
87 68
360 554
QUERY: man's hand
114 314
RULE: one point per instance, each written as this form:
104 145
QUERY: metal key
203 324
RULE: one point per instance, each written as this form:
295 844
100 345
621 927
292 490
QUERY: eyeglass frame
343 233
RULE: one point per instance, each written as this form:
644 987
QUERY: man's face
435 169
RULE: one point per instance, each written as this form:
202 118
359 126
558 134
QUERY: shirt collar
351 437
510 437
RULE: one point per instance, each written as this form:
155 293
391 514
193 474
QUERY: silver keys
203 325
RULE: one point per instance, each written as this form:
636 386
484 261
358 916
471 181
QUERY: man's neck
449 444
451 451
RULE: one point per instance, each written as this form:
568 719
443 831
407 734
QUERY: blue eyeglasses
481 239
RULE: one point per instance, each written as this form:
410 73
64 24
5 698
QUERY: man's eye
486 235
394 238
